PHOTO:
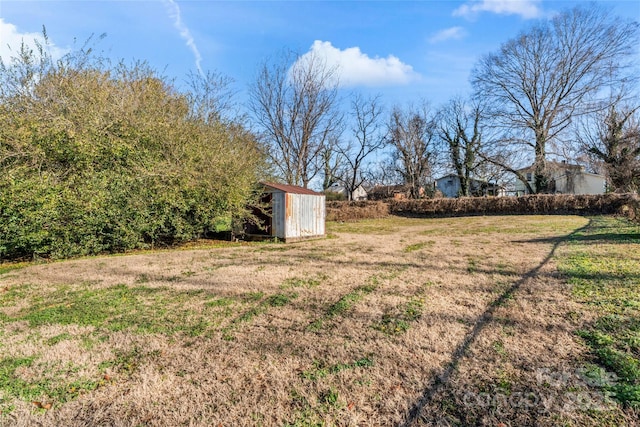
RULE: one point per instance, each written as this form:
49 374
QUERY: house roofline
484 181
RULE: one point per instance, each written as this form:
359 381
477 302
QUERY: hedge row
349 211
628 204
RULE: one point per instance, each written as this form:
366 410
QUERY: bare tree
537 82
369 135
411 136
296 108
614 140
383 173
459 128
332 161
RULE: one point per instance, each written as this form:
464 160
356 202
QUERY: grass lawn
531 320
602 263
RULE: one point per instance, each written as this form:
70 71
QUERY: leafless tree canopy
459 127
295 107
556 70
332 162
412 138
367 136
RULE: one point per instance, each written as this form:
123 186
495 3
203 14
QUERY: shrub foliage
539 204
100 158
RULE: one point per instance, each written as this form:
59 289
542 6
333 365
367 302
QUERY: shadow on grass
442 380
622 277
589 238
599 231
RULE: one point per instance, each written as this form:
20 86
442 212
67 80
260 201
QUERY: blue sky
404 50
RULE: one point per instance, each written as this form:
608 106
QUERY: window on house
529 176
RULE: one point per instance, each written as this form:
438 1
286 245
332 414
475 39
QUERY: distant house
565 178
400 191
450 186
289 213
360 193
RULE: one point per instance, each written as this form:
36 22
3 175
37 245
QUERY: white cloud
527 9
174 13
453 33
356 68
11 39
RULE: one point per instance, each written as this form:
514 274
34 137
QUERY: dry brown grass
392 321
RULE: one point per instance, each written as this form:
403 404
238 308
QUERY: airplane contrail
174 13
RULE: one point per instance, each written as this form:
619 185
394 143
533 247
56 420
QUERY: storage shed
292 213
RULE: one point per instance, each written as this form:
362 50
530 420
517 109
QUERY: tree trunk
540 173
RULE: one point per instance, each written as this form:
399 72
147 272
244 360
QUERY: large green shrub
95 158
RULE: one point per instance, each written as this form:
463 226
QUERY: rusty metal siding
304 215
296 215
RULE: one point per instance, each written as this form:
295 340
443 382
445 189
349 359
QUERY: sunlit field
505 320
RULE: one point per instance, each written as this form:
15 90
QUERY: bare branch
368 136
296 108
412 137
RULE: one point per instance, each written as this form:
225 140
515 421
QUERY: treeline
96 157
563 89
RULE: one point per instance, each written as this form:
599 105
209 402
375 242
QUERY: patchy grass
378 226
5 268
279 300
322 370
344 303
602 263
399 320
376 326
54 388
347 301
306 282
139 309
417 246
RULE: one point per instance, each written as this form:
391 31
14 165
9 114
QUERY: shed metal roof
290 188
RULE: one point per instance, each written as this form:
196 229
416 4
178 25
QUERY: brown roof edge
294 189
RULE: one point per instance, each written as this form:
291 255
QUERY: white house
565 178
449 186
358 194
